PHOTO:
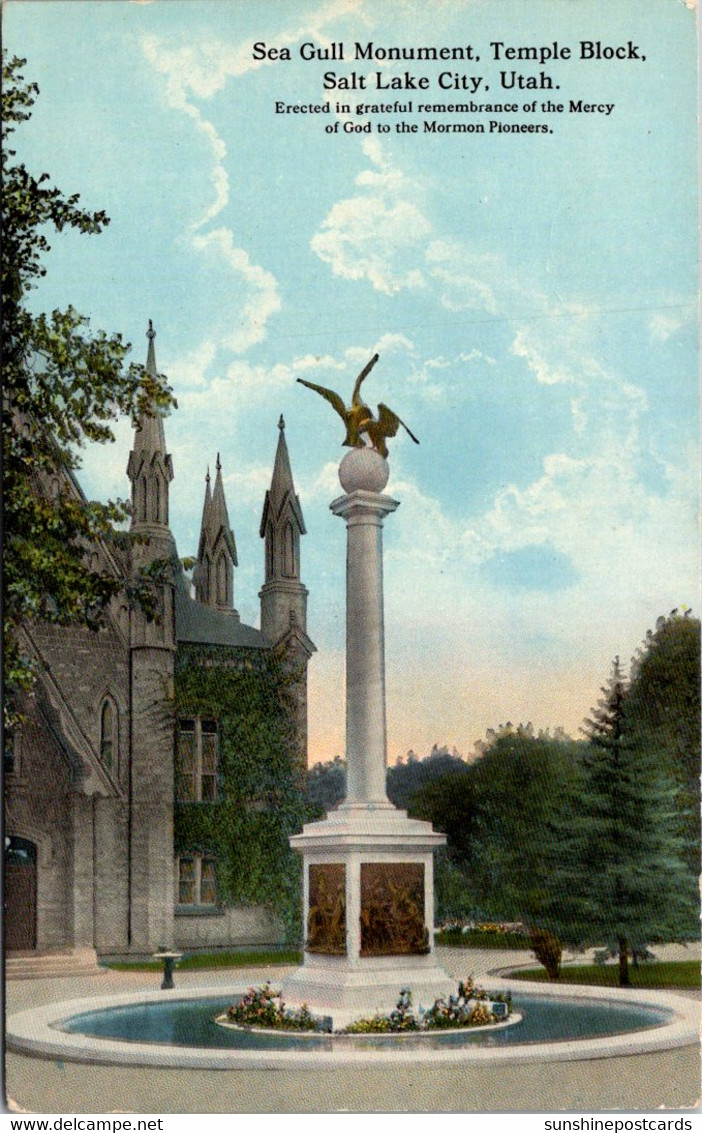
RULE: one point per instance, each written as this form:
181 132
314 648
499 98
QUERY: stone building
91 777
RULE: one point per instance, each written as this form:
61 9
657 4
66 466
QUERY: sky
532 297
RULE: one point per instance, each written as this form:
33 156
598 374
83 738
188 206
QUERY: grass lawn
477 939
205 960
681 973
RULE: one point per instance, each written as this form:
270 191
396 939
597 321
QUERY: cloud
261 286
364 237
191 370
663 324
375 235
247 486
548 371
462 276
200 71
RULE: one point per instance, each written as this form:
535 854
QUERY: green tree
63 387
524 784
499 814
621 878
663 708
326 785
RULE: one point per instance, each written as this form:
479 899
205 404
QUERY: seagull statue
359 419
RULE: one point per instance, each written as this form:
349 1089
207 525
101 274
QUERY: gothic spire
216 556
149 436
205 515
282 489
283 596
150 467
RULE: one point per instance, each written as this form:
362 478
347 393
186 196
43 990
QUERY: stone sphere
365 470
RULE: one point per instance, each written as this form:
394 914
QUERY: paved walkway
668 1078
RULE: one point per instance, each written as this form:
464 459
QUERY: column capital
364 507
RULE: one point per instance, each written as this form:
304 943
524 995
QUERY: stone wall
111 875
38 798
235 927
88 666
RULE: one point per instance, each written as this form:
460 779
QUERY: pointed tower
201 570
150 471
151 738
216 552
283 596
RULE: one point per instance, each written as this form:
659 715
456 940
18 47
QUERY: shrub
548 951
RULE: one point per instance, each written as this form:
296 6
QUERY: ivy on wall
260 799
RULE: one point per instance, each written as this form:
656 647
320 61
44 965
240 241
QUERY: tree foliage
326 782
499 814
620 877
664 715
63 387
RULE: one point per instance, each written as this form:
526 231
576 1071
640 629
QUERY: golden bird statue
359 419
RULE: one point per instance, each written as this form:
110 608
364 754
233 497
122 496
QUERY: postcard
351 482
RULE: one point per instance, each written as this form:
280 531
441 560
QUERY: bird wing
389 422
361 378
333 398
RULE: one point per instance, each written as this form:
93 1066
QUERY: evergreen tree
664 715
621 878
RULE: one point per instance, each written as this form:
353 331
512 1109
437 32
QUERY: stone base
368 977
331 986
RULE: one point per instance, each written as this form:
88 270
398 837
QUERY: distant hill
326 782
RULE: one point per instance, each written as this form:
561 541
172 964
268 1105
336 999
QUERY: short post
169 962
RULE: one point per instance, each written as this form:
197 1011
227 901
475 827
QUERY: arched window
288 551
144 498
269 551
123 618
108 733
206 579
155 499
222 580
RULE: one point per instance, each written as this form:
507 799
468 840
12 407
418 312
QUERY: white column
364 511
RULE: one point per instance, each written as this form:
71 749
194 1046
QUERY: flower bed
469 1007
484 934
262 1007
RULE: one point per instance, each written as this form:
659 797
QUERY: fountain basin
659 1021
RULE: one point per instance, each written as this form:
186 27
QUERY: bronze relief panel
392 909
326 919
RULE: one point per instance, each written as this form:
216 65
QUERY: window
155 499
198 759
288 551
196 876
206 564
9 756
221 580
108 733
269 551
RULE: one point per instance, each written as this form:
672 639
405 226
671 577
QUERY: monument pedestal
369 912
368 868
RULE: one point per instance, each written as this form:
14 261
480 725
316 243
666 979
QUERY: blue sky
532 298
